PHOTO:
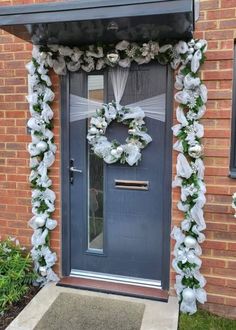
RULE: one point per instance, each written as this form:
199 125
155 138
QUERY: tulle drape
82 108
119 78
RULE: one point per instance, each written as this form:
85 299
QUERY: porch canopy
92 21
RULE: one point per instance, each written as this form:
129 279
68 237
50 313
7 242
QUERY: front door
120 215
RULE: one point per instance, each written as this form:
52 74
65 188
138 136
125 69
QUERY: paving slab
157 315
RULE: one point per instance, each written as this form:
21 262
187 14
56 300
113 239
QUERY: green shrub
16 273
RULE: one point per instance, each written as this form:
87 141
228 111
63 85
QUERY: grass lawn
203 320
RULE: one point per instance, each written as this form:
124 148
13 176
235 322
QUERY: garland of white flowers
190 172
42 152
192 96
112 152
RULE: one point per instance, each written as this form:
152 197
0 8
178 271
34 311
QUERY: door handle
73 170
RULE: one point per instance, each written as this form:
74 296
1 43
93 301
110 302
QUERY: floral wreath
112 152
185 58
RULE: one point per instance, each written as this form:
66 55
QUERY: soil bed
17 307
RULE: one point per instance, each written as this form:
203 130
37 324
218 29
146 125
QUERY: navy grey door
117 211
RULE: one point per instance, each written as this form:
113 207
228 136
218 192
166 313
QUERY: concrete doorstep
157 315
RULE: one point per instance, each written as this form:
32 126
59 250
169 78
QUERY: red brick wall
216 24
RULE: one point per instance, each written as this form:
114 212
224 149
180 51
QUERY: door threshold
116 278
123 289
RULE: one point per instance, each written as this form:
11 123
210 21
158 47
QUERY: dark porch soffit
85 21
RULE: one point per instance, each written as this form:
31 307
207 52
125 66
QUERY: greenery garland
186 58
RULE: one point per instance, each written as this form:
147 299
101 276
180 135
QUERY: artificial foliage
16 273
184 57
